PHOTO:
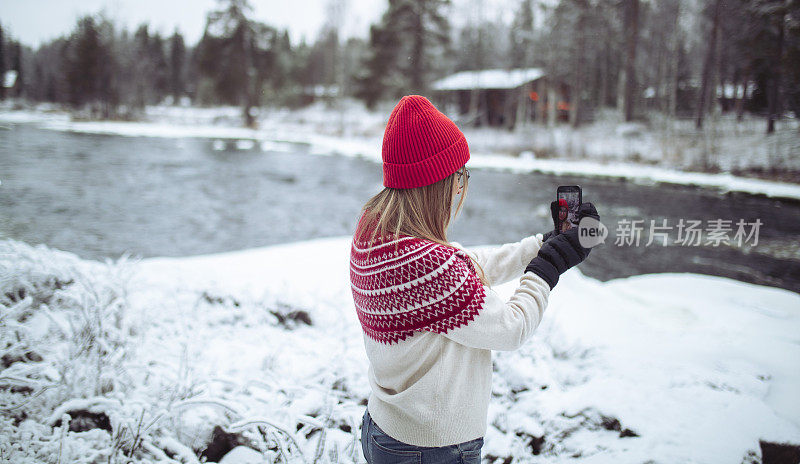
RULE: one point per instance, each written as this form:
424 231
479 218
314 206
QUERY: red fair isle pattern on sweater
409 284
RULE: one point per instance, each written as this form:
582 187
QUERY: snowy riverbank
658 368
605 148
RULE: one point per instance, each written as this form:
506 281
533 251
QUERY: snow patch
681 366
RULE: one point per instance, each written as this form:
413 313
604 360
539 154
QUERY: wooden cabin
501 97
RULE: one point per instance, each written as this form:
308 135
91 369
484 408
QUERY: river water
103 195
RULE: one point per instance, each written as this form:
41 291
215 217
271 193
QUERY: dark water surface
102 195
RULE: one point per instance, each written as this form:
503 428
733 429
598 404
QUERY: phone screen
569 200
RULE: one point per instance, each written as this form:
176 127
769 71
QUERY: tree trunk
474 105
674 68
2 65
658 87
551 104
578 77
575 102
484 113
521 119
510 103
246 97
417 56
621 92
737 77
632 14
742 96
604 78
774 104
708 66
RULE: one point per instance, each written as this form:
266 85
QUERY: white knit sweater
433 389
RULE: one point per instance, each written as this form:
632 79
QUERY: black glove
587 210
561 251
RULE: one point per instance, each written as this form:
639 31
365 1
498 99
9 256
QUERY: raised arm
505 262
500 325
505 326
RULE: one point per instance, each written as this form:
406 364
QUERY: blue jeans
380 448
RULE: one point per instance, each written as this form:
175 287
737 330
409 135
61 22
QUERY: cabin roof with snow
10 79
488 79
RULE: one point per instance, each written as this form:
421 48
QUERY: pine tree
791 63
423 24
771 45
708 85
479 47
2 64
150 68
16 64
85 55
47 81
379 65
354 48
108 88
177 63
142 68
281 61
234 53
628 77
160 77
772 15
406 49
267 46
297 70
521 36
559 45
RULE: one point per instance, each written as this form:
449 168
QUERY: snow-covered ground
265 342
668 152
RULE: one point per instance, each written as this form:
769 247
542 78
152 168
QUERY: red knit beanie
421 145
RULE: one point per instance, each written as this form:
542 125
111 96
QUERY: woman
563 214
429 318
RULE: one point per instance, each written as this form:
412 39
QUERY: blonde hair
422 212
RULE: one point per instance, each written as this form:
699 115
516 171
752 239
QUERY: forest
681 58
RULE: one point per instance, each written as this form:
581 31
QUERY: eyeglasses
461 176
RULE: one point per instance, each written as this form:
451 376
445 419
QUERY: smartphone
569 199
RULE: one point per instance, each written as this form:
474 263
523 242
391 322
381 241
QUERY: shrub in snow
72 312
63 337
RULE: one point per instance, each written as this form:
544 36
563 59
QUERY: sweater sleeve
506 262
505 326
